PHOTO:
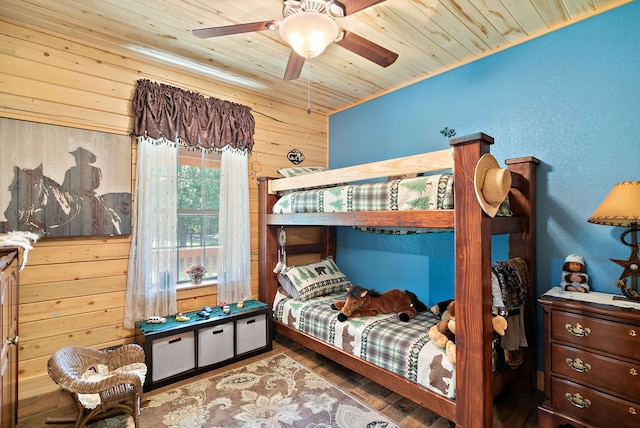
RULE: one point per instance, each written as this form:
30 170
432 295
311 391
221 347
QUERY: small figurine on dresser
574 276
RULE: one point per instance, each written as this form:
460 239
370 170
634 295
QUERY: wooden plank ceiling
430 36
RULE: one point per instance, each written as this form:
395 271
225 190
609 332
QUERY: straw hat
492 184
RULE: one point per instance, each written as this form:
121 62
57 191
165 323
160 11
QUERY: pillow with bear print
314 279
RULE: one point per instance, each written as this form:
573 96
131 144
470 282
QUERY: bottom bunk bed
425 375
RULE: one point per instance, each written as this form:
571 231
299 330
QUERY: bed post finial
471 138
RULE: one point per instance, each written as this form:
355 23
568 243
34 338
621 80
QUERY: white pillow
299 170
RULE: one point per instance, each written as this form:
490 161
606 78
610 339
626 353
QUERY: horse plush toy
360 302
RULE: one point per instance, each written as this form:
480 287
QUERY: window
198 211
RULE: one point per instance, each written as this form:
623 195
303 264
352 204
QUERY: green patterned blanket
432 192
401 347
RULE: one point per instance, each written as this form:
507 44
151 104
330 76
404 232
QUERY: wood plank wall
72 290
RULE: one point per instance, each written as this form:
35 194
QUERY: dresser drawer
593 406
609 337
599 371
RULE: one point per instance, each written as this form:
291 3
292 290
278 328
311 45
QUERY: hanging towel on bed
507 277
511 289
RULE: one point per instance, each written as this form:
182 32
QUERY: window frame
204 159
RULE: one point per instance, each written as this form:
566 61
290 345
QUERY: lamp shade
621 207
308 32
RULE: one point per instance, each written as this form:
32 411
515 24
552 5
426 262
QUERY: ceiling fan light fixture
308 32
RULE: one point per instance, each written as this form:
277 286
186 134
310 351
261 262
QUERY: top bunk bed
473 229
431 162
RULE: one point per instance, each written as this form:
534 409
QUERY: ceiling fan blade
367 49
226 30
353 6
294 66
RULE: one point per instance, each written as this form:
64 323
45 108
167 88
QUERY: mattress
403 348
432 192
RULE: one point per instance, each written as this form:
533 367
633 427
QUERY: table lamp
621 207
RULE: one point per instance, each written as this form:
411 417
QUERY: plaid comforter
401 347
419 193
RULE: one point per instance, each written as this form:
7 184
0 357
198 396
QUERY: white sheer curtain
152 273
234 259
168 113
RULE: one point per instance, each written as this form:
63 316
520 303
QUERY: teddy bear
443 334
574 277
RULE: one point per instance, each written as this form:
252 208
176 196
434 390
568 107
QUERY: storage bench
178 350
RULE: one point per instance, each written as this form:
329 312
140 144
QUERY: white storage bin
251 333
215 344
173 355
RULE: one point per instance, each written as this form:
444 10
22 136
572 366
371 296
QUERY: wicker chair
100 377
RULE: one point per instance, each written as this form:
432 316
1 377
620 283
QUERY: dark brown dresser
591 364
9 303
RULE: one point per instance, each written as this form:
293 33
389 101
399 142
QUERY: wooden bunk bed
477 384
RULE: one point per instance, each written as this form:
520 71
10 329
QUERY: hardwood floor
511 410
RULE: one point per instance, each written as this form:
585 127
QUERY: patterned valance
162 111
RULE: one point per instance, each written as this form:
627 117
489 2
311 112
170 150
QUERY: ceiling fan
309 27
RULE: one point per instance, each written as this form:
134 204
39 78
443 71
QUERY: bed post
523 203
267 244
474 401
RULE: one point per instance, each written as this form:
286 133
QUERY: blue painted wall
570 98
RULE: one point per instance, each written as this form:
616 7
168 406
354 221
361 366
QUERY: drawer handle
217 331
251 321
578 330
175 340
633 371
632 333
632 411
577 400
578 365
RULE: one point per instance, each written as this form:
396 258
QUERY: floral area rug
272 392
